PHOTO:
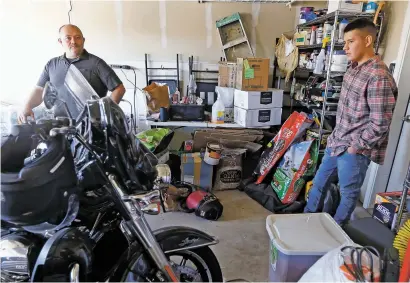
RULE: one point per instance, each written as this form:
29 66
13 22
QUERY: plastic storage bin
297 241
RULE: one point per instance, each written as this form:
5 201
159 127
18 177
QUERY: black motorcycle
72 208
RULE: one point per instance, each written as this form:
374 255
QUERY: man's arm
381 101
118 93
111 81
36 96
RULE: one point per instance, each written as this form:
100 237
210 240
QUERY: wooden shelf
197 124
235 42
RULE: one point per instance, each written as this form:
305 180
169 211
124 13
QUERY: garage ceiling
251 1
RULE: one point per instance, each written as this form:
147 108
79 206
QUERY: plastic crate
297 241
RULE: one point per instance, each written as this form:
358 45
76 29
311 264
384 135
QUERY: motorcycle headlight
163 178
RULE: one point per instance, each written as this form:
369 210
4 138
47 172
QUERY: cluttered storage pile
242 96
214 160
224 159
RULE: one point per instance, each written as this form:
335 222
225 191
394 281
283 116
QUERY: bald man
100 76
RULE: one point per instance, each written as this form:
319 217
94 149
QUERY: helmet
34 190
205 204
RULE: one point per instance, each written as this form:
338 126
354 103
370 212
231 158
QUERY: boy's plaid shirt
365 110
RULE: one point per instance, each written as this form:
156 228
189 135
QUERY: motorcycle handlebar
63 131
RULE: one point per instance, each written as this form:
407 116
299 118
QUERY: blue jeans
351 170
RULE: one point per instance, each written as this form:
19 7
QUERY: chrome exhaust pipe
75 273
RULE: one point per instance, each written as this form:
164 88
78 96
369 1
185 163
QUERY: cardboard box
386 207
227 74
203 136
258 117
258 99
252 74
343 5
195 171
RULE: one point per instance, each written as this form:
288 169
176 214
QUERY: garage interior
176 60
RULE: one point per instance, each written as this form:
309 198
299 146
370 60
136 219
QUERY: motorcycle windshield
75 92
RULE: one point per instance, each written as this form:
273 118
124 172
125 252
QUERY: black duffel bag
266 196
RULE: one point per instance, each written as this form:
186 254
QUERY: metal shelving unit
318 46
333 17
316 108
332 73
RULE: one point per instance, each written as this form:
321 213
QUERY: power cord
132 122
135 95
69 16
356 259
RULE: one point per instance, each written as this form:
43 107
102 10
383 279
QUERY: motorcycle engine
18 253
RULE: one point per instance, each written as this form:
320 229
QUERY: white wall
378 175
122 32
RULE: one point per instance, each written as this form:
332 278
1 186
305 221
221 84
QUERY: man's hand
35 98
27 112
351 150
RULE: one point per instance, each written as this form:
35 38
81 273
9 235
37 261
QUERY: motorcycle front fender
65 248
170 239
178 238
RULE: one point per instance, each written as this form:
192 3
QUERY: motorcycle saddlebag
38 192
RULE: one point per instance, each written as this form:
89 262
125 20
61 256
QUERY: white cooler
297 241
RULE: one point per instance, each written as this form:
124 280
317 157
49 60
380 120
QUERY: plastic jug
342 26
320 60
218 111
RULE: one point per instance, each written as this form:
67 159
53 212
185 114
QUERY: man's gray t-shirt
100 76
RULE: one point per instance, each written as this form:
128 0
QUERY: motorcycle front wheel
197 265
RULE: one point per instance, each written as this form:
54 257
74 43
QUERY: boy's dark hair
362 24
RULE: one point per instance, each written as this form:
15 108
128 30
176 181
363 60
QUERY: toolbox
187 112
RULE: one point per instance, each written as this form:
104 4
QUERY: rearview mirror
49 95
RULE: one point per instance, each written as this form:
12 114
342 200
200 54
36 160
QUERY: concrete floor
244 243
243 250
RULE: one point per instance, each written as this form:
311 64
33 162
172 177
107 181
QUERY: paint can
212 153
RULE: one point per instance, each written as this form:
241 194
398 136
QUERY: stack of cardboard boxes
255 104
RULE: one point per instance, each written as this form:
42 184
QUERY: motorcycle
73 210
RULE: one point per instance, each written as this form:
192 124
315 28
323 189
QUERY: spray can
308 35
313 36
319 35
327 30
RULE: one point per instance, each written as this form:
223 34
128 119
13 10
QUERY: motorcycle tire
209 268
204 259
